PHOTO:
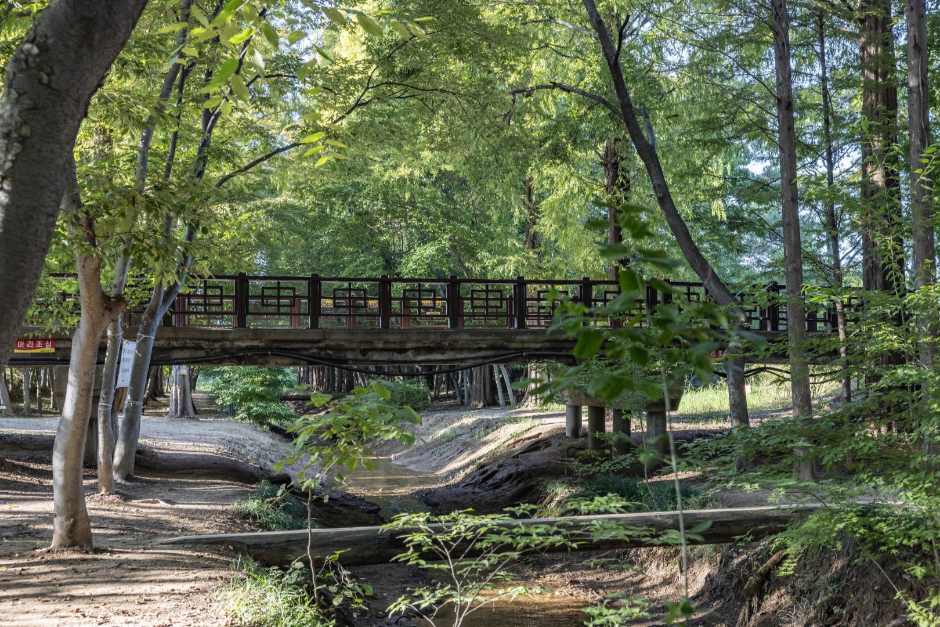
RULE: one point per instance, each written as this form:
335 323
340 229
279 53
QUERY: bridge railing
315 302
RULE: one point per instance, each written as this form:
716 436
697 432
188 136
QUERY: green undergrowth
562 495
271 597
262 596
272 508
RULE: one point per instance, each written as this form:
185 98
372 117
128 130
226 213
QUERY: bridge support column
656 434
573 421
597 426
621 431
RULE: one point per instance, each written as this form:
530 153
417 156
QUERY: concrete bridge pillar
573 421
597 419
621 431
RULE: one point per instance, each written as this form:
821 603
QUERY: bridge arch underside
343 347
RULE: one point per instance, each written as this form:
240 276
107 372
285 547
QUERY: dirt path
127 580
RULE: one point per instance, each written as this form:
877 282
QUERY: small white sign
127 363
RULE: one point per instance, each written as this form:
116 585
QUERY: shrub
253 392
272 508
412 393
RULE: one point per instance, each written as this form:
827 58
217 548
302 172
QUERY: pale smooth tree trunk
647 153
6 409
70 524
181 398
106 431
126 446
805 467
49 82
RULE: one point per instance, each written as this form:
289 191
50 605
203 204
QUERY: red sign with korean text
34 346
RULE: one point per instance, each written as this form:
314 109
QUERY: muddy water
389 485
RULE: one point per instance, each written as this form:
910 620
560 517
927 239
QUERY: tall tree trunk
881 221
181 398
618 186
70 524
6 408
694 257
125 448
533 238
27 388
805 467
832 223
918 108
106 399
49 82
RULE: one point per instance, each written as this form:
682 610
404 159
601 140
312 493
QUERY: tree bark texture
792 246
48 84
881 220
181 397
918 113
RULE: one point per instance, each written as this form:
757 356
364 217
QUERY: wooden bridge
297 320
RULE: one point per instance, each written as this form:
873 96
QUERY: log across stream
372 545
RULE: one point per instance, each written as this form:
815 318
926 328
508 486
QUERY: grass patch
272 508
271 597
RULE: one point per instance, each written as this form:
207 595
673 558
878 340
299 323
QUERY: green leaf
270 34
242 36
239 87
335 15
333 142
589 343
368 24
172 28
212 103
401 29
313 151
225 71
313 137
295 36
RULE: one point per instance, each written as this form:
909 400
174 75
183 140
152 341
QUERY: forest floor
206 465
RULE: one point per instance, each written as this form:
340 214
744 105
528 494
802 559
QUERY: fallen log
371 545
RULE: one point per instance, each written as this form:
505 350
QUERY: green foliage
273 508
617 609
275 597
466 584
412 393
340 437
254 392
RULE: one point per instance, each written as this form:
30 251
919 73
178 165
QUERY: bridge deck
289 320
341 347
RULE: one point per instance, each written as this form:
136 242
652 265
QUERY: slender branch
571 90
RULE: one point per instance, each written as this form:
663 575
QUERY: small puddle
388 485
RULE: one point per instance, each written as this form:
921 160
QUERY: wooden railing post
241 301
385 302
314 296
773 312
453 302
586 292
520 302
652 298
